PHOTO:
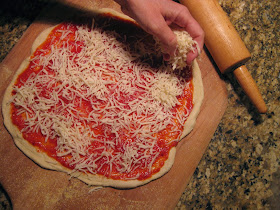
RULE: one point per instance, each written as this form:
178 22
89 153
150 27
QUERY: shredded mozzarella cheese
127 99
185 44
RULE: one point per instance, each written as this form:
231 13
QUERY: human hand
155 17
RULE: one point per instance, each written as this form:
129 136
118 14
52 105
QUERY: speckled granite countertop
240 168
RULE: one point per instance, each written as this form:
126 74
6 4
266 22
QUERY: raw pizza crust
49 163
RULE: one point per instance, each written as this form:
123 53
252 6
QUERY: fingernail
166 57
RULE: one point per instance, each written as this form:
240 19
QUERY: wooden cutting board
32 187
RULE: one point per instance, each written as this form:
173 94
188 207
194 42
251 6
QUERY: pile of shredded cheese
185 44
127 99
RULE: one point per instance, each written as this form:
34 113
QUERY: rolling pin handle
225 45
249 86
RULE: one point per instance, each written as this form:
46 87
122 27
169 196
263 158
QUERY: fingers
148 15
181 16
165 35
194 29
191 56
155 16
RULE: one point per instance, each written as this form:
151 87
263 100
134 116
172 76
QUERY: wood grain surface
32 187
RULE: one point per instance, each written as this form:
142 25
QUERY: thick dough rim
49 163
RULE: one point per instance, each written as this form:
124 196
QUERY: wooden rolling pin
225 45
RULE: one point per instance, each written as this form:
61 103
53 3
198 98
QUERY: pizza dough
47 162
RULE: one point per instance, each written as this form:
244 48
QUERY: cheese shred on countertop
101 86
